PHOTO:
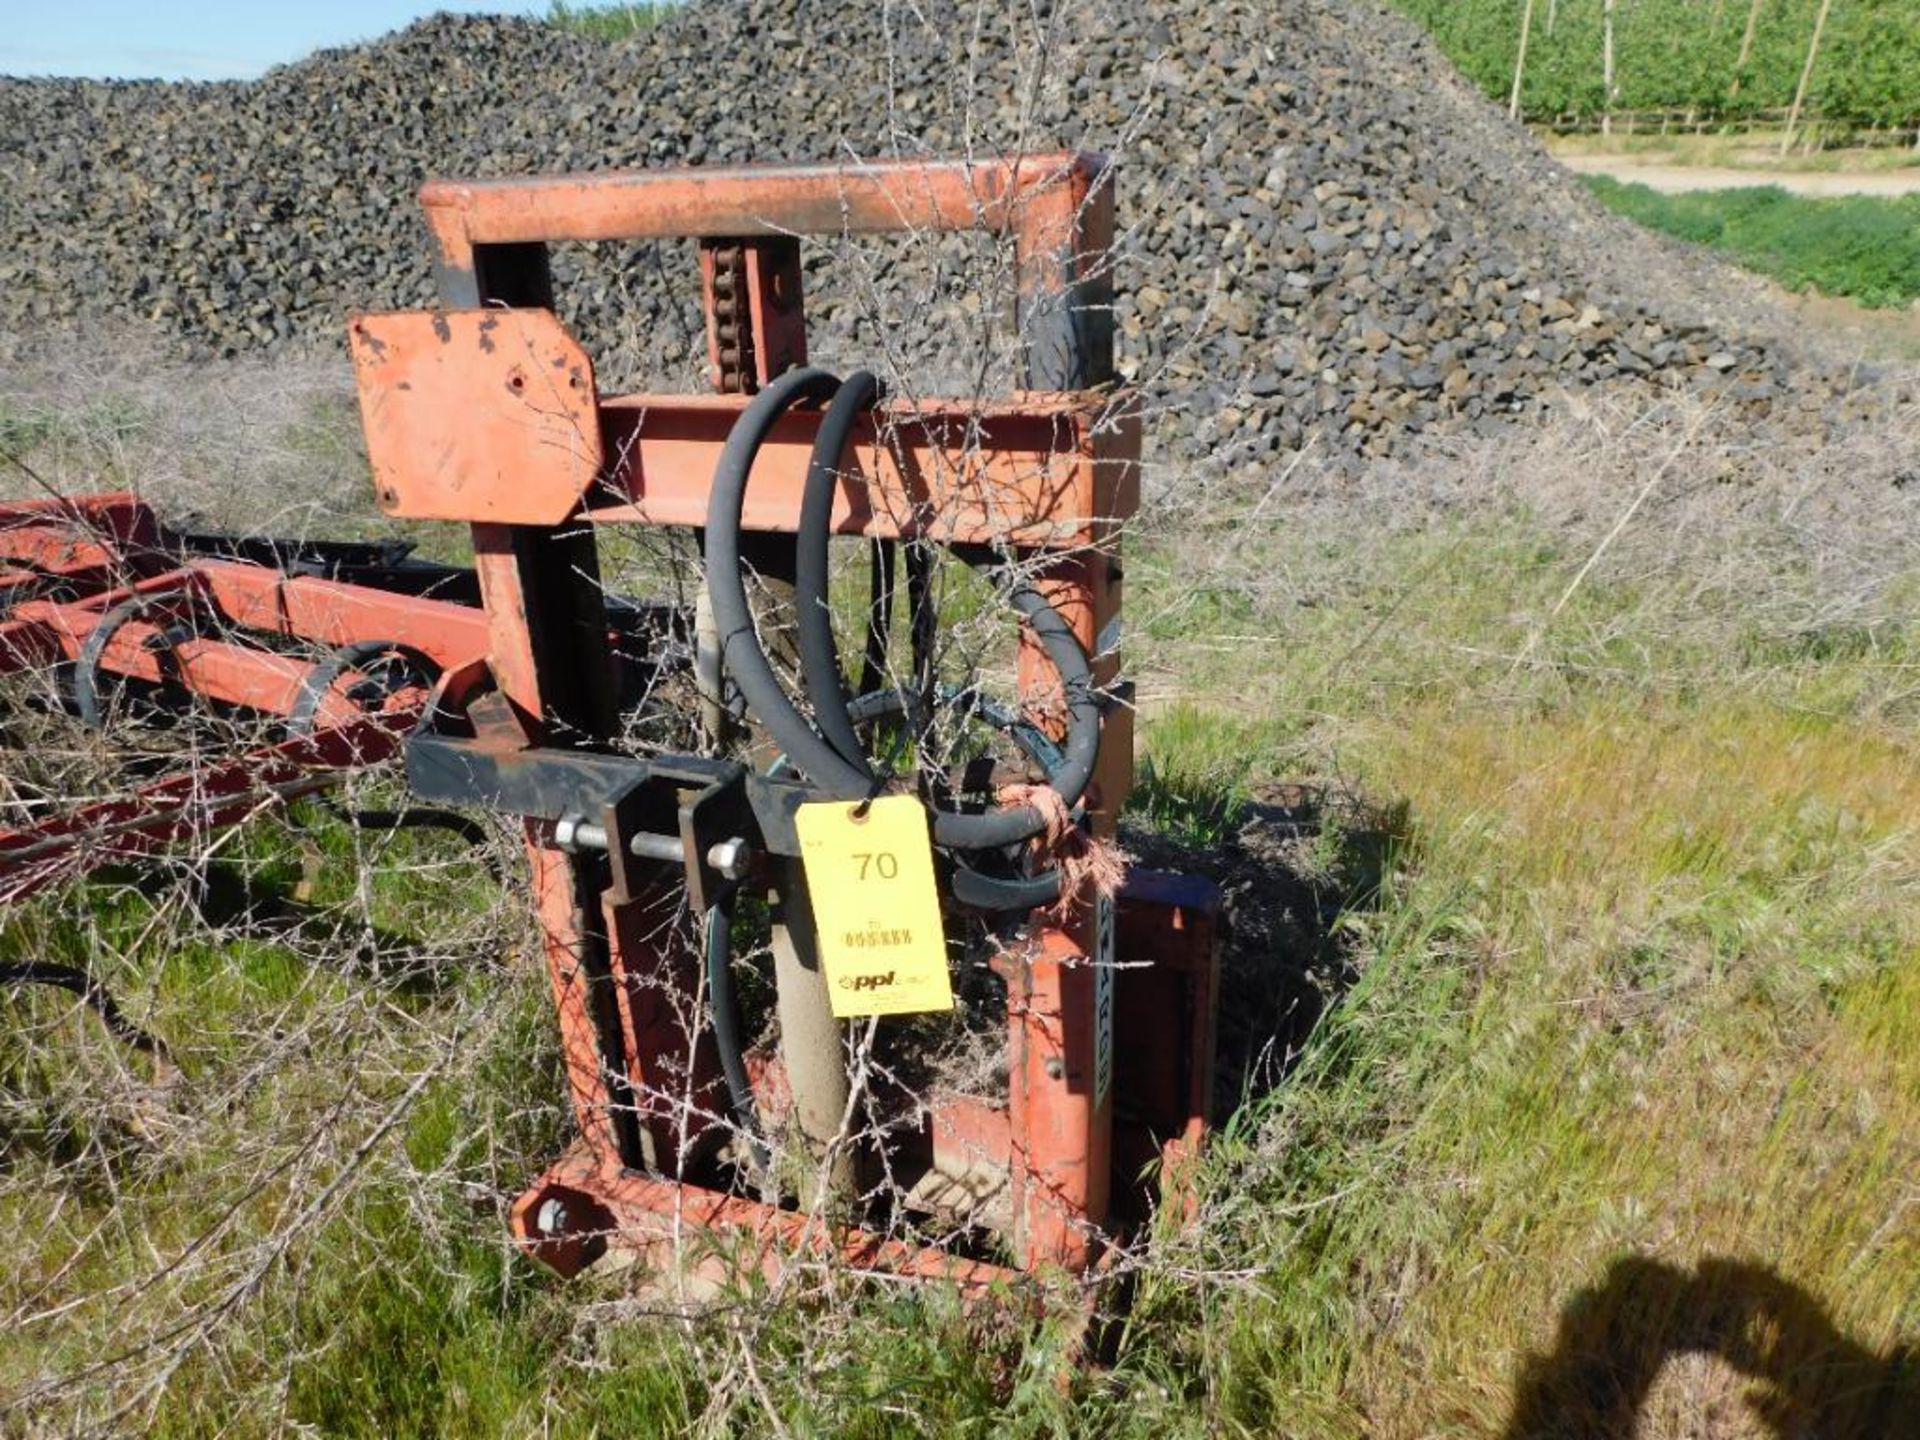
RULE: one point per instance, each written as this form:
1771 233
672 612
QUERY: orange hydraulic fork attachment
487 412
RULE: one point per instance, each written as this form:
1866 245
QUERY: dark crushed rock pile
1332 240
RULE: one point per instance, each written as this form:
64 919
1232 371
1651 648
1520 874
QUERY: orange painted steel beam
663 1220
1058 209
53 547
325 612
1057 471
872 197
233 674
334 613
28 645
117 517
112 549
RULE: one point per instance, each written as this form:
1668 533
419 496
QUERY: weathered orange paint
1041 471
1037 196
1053 474
476 415
711 1237
76 558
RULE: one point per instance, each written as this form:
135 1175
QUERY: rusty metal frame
1051 469
69 566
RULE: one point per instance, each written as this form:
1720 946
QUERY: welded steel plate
478 415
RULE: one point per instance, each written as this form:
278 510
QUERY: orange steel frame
487 412
67 563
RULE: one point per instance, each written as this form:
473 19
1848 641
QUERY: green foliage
1685 54
1863 247
609 22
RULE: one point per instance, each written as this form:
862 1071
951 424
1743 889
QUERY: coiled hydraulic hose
873 664
832 756
819 758
819 657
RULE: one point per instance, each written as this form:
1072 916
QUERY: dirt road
1672 179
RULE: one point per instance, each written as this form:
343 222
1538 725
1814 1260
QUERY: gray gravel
1332 239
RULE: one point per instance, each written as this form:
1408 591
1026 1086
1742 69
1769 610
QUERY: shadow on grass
1614 1338
236 902
1291 860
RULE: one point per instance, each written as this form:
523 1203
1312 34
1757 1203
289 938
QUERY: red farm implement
336 642
704 1143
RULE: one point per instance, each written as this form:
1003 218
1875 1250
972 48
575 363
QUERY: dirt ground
1867 334
1654 172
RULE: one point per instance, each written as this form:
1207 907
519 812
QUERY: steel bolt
576 832
1055 1067
551 1218
730 857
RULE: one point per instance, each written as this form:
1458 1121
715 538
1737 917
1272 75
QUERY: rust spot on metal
442 331
487 327
369 340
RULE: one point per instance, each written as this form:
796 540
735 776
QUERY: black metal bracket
660 809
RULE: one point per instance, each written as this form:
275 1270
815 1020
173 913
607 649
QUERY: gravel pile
1332 240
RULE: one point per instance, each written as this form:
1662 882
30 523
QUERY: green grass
1866 248
610 22
1756 150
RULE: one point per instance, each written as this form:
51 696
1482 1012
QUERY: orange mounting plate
477 415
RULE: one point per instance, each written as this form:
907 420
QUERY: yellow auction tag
875 906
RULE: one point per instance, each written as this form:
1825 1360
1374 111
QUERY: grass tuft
609 22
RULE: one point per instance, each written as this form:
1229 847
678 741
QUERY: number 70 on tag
869 869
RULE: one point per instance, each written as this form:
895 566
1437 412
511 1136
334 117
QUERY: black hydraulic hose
747 662
96 998
86 669
819 656
358 655
740 650
726 1029
1056 637
414 817
1004 893
873 665
1011 824
921 620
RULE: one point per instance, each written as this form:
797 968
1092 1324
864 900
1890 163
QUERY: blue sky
209 40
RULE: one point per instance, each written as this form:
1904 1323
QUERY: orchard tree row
1721 59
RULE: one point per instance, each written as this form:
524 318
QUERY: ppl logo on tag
866 982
